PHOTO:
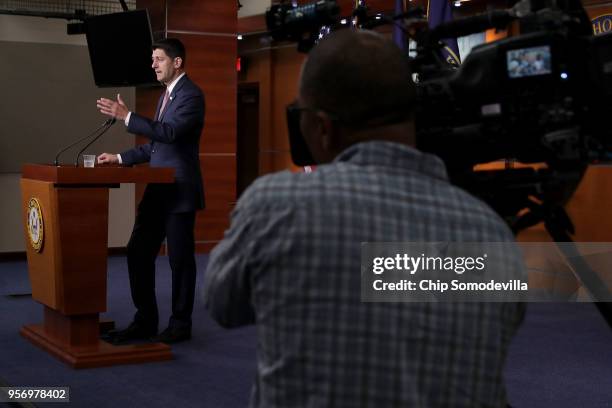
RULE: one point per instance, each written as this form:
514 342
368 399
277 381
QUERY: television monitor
532 61
120 49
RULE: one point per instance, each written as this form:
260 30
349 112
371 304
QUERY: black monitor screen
120 49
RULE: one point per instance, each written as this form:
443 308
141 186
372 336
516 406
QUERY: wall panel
211 64
219 172
208 16
277 73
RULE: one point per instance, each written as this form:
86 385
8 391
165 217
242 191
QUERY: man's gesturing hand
115 109
108 158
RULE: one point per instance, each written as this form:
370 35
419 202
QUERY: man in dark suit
166 210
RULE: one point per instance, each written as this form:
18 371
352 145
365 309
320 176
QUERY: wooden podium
66 228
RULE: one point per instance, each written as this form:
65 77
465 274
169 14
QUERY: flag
398 34
439 12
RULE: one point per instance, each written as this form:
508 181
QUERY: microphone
106 123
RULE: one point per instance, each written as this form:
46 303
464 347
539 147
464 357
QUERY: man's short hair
360 77
173 47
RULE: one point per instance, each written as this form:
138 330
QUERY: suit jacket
175 142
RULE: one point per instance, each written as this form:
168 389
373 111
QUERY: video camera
541 97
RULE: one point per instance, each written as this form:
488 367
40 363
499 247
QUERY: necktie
165 101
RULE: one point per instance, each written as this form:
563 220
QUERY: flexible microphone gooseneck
106 123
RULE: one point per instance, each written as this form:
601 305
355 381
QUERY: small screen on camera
525 62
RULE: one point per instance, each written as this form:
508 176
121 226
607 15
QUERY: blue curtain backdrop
398 34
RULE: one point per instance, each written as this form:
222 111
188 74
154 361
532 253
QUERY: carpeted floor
562 356
215 369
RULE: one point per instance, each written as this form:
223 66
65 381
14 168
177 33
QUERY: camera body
541 97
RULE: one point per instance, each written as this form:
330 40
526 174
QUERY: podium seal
36 231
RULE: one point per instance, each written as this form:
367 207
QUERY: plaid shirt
291 263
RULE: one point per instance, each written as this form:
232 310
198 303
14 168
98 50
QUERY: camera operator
290 262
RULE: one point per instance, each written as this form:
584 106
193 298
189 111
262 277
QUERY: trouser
151 227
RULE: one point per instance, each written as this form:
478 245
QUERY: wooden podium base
75 341
101 355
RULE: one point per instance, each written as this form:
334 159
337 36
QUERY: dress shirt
291 263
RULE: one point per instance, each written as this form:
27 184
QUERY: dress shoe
134 331
173 335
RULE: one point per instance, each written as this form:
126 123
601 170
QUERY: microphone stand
107 125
